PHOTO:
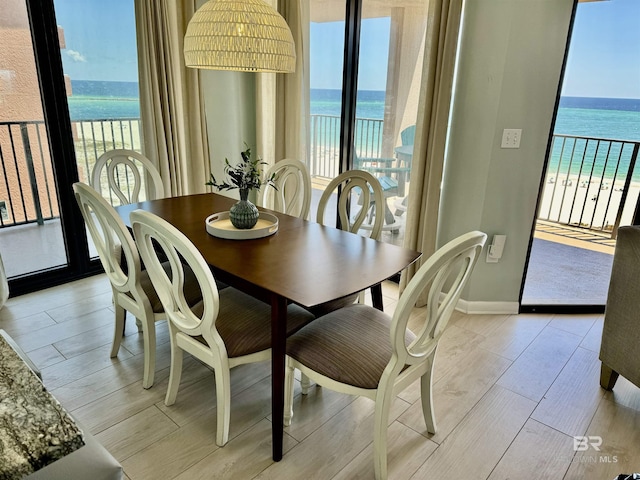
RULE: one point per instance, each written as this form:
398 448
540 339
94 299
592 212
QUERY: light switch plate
511 138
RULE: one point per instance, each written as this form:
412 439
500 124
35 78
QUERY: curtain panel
441 42
171 105
282 110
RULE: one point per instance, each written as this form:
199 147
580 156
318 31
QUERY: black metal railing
325 140
27 185
591 183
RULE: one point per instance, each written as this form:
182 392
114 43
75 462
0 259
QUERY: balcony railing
591 182
27 185
325 139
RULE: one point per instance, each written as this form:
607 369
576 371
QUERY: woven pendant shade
239 35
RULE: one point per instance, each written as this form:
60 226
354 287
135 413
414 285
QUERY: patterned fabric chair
130 284
226 329
359 350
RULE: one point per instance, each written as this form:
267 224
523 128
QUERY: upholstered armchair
621 333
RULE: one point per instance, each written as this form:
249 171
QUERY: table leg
376 296
278 349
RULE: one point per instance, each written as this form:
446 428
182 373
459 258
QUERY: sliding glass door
365 75
54 122
31 233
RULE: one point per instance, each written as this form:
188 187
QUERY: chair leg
426 396
149 340
305 383
288 393
608 377
118 331
223 405
383 406
175 371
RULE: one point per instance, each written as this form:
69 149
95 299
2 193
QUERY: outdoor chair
124 173
226 329
131 286
292 194
359 350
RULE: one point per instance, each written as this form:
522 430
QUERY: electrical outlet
511 138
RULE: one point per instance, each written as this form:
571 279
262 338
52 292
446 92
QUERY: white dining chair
356 187
130 284
367 193
359 350
292 194
125 174
226 329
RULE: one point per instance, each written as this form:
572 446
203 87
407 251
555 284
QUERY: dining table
302 262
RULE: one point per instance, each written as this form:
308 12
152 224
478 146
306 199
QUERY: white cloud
76 56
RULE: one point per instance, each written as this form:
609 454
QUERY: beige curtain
282 110
171 105
443 26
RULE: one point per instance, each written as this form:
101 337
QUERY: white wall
511 55
229 99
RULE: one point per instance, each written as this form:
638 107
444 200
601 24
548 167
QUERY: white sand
595 204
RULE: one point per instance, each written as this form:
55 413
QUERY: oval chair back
124 173
292 194
370 198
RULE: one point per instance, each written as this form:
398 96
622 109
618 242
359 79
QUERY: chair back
124 172
153 233
111 239
292 194
371 201
408 135
445 274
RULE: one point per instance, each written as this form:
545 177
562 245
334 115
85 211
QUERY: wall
230 112
511 55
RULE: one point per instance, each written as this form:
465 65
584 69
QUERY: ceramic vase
244 214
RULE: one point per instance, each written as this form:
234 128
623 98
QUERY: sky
100 39
604 58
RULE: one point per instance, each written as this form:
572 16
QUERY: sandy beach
588 203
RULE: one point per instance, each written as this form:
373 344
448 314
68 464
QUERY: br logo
582 444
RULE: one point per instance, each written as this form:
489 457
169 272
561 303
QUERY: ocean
610 118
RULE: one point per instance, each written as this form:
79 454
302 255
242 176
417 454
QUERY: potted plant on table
245 176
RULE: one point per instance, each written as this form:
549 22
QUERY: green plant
246 175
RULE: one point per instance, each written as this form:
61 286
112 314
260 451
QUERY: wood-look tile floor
511 392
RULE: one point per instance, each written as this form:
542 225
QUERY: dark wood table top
304 262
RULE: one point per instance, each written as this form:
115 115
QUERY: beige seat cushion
244 323
351 345
191 287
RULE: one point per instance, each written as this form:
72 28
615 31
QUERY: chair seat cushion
244 323
351 345
191 287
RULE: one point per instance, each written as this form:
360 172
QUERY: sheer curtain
282 110
171 105
443 26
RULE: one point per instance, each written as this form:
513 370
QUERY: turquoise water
614 119
586 117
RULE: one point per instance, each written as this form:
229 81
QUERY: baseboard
471 307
